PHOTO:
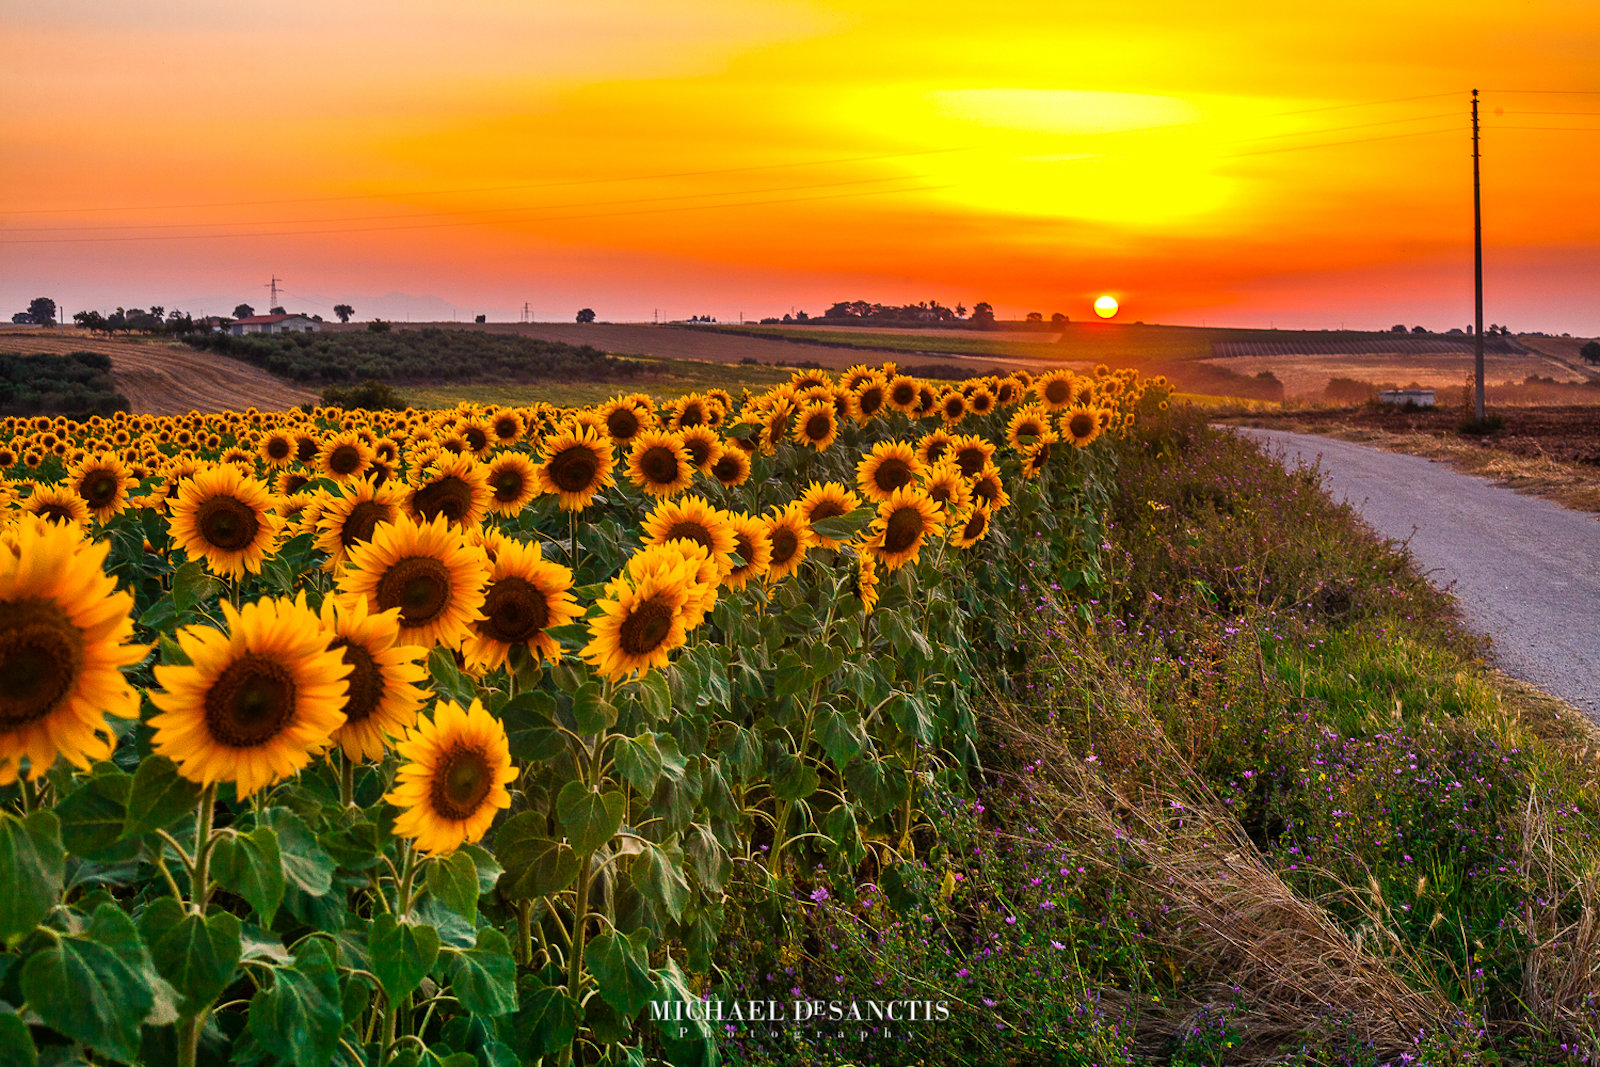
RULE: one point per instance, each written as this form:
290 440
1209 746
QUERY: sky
1249 164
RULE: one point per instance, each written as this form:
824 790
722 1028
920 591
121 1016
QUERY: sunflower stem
200 882
408 871
347 780
572 539
525 933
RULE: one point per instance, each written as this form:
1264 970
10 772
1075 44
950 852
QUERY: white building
274 324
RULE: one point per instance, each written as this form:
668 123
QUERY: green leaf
655 695
97 987
568 673
547 1018
590 818
171 652
706 854
658 876
453 880
531 728
535 865
16 1043
197 955
191 585
591 711
844 527
689 1040
447 677
483 978
305 864
251 866
792 777
33 868
621 968
792 676
639 761
299 1019
402 954
840 738
93 814
160 796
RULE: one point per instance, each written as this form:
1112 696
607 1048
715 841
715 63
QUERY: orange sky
425 160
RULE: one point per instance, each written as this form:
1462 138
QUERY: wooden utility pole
1477 269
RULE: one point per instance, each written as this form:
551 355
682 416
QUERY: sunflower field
436 737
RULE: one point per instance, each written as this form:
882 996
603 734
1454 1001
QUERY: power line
1357 126
1550 92
1336 144
1371 103
1569 129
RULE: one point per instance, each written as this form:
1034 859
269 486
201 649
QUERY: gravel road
1526 571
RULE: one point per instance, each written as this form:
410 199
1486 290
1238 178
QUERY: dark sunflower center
346 459
935 449
1058 392
508 483
293 483
747 552
366 681
515 611
622 423
699 450
902 530
939 493
574 469
784 545
693 531
818 426
954 406
477 440
903 394
693 415
660 465
871 400
827 509
449 496
891 474
727 469
1041 456
970 460
505 428
461 781
305 449
982 403
227 524
362 521
986 491
975 525
646 626
1081 425
98 488
279 448
41 653
250 702
1030 429
419 586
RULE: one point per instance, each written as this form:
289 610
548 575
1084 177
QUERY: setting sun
1105 307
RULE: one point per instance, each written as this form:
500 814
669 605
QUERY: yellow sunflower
905 521
703 446
382 697
826 500
952 407
64 633
1055 390
973 530
988 491
1080 426
753 547
1028 425
816 425
507 427
342 521
226 517
889 466
902 394
659 464
455 488
970 453
946 487
577 465
790 535
625 417
513 481
732 467
527 597
453 781
980 401
253 705
871 395
867 581
1037 455
932 446
431 573
344 456
704 577
56 504
694 519
641 622
103 482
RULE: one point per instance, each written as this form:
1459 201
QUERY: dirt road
1524 568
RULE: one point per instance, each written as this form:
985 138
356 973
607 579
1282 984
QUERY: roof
263 320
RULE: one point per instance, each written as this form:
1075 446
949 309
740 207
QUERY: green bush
77 384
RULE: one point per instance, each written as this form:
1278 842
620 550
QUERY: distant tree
1419 329
243 311
982 314
801 316
276 311
21 318
586 315
1059 319
1398 327
42 311
1035 319
378 326
90 320
961 311
1590 352
158 311
481 319
344 311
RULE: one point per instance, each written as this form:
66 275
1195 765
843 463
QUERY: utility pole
273 285
1477 269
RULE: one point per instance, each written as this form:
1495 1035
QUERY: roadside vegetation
77 384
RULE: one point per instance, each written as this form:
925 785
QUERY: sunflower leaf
33 867
843 527
96 987
547 1017
621 969
591 711
92 816
191 586
197 955
16 1043
402 954
658 876
447 677
639 761
590 818
251 866
160 796
453 881
305 863
536 866
483 977
300 1017
530 726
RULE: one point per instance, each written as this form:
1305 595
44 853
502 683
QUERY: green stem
200 883
408 871
525 932
347 780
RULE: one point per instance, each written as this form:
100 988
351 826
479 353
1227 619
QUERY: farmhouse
1422 398
273 324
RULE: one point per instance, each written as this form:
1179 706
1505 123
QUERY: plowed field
159 378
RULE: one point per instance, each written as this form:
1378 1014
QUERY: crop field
515 733
160 378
